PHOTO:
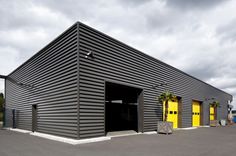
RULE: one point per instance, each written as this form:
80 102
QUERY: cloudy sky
196 36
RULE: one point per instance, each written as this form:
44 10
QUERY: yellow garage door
196 115
212 113
172 112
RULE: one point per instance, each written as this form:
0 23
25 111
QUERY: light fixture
20 83
212 98
159 85
89 54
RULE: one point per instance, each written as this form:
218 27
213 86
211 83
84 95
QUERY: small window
175 112
171 112
192 113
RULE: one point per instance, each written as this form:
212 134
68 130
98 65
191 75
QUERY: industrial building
84 84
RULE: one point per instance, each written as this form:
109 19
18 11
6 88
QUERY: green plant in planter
164 98
215 104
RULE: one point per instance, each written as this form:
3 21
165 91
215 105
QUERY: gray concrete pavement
219 141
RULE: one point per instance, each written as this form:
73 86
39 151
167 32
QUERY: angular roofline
155 59
140 52
2 77
47 45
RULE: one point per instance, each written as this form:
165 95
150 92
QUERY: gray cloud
72 8
26 16
134 3
227 32
194 4
26 28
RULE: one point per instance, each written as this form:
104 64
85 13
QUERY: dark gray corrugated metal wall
53 72
115 61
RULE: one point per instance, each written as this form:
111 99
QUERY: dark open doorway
34 118
122 108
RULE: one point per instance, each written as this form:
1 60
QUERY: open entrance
34 118
122 108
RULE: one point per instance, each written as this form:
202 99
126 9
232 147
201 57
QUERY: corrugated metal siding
59 87
53 72
115 61
8 115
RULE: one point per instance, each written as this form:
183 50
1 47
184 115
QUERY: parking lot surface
215 141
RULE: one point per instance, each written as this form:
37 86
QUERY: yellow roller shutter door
172 112
196 114
212 113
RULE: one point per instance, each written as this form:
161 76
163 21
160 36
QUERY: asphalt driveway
219 141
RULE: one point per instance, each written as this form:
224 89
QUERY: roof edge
140 52
37 53
155 59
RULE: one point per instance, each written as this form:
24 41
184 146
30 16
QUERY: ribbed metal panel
115 61
53 74
69 89
8 118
